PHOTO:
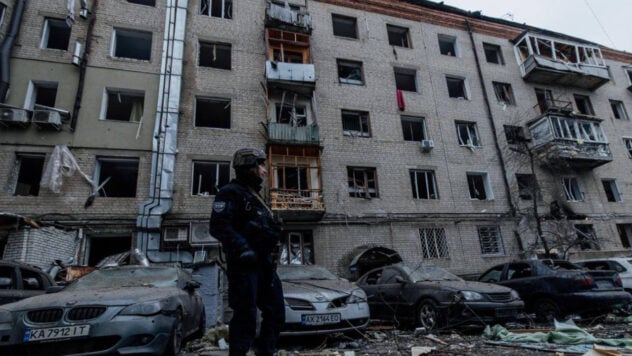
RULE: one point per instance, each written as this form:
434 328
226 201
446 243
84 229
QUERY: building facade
450 137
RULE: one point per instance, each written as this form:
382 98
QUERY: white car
318 302
623 265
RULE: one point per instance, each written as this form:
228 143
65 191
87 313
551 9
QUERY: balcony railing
293 204
281 16
289 134
291 73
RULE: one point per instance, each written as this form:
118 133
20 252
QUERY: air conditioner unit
47 119
200 235
14 117
175 234
426 145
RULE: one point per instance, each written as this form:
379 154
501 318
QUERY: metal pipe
7 44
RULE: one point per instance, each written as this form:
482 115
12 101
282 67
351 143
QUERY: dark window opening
618 109
611 190
514 134
102 247
29 173
493 54
215 54
526 186
121 175
405 79
447 45
355 123
287 56
467 134
456 87
586 236
143 2
292 115
350 72
362 182
212 113
545 99
344 26
477 186
584 106
504 93
209 177
297 248
217 8
56 34
45 95
132 44
398 36
625 234
423 184
292 178
414 128
124 106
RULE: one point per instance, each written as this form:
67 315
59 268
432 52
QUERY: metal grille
490 240
433 243
45 315
499 297
85 313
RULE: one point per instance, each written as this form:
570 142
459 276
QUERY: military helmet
248 157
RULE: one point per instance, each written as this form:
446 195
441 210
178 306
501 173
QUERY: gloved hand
248 257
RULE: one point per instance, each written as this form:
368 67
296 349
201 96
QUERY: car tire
176 337
428 314
201 330
546 310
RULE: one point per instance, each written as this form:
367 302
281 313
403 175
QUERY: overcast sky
606 22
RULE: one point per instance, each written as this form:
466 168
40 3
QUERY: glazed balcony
288 17
298 77
285 133
545 60
563 142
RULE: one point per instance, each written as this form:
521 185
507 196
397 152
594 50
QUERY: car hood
110 297
317 290
473 286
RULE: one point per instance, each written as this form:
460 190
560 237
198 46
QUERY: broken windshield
126 277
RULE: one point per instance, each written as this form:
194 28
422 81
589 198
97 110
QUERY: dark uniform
249 235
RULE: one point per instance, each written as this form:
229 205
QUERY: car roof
20 264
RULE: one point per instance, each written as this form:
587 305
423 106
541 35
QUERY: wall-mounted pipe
7 44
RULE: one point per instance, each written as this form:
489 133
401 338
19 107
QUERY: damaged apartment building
450 137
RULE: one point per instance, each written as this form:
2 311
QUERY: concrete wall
40 247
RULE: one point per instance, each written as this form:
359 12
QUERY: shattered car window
311 272
127 277
559 264
429 273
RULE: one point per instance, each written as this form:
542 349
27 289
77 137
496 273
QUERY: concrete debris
421 350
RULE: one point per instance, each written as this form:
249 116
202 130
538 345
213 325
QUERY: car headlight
469 295
148 308
5 316
515 294
356 296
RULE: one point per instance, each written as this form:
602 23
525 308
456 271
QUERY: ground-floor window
297 248
433 243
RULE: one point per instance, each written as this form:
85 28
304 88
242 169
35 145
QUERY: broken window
405 79
625 234
31 280
291 114
297 248
545 99
131 44
56 34
355 123
514 134
414 128
628 145
584 106
618 109
490 240
433 243
571 188
143 2
215 55
217 8
611 189
493 54
116 177
467 134
103 246
344 26
587 236
526 186
398 36
479 187
504 93
292 178
27 173
212 112
424 184
287 47
362 182
209 177
573 129
41 94
447 45
456 87
7 277
124 105
350 72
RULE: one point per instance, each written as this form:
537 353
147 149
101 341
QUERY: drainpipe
83 65
7 44
164 146
488 108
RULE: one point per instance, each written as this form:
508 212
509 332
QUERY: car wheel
176 337
546 310
428 314
201 330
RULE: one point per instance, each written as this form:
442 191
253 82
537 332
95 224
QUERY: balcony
288 18
298 77
550 61
294 205
566 142
289 134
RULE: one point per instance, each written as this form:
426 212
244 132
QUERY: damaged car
433 298
19 280
125 310
318 302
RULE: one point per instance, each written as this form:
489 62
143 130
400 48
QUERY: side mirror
54 289
191 285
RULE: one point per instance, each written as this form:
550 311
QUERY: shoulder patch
219 206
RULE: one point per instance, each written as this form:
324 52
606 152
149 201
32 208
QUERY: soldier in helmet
249 234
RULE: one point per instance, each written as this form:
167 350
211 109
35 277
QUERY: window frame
51 26
364 121
222 51
504 93
413 131
490 49
403 80
363 190
472 134
611 189
398 34
226 121
526 184
226 11
434 243
221 174
584 105
489 195
572 189
305 243
352 66
131 33
18 175
428 176
127 93
462 83
497 246
335 18
443 40
627 142
33 91
618 109
100 180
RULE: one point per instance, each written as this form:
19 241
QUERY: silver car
318 302
128 309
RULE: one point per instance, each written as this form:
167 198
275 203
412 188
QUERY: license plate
61 332
605 284
320 319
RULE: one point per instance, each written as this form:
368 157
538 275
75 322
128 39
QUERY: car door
372 288
520 277
8 287
390 291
